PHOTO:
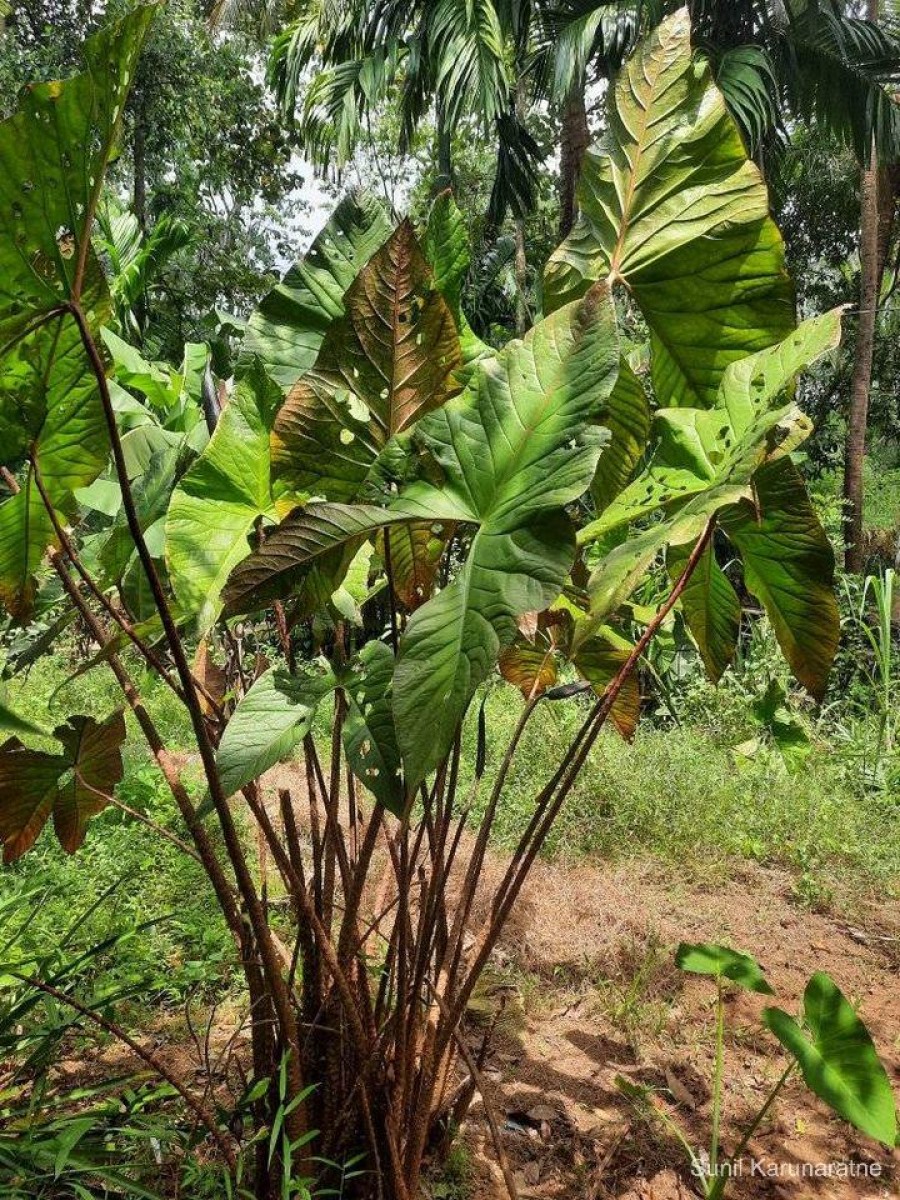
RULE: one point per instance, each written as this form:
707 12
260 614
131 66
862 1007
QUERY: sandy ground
591 954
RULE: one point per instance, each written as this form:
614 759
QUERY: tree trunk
888 193
445 157
574 139
139 157
521 262
521 267
857 419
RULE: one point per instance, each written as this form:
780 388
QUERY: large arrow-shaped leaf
838 1058
671 207
789 566
710 606
286 331
225 495
53 155
694 449
385 364
520 443
71 786
271 719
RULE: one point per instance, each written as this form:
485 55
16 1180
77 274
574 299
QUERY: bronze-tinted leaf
416 551
210 676
530 668
386 363
599 660
73 785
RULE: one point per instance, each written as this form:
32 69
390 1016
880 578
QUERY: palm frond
586 33
336 100
746 76
844 70
518 158
465 41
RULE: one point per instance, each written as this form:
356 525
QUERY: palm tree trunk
888 193
860 384
444 147
521 261
574 138
521 270
139 157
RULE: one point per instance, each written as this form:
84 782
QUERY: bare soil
590 953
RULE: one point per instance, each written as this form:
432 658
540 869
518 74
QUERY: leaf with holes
270 721
520 443
370 739
416 550
286 331
382 366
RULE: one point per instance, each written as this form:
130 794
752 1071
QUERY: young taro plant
383 487
830 1045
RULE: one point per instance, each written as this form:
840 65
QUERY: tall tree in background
878 187
776 61
335 64
861 382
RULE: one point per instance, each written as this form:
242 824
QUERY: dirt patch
592 947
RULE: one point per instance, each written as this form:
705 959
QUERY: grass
683 796
125 877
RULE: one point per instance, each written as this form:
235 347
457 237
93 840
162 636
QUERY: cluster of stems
359 1025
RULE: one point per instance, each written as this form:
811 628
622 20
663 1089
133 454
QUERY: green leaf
370 739
786 731
287 330
694 449
158 383
272 718
53 155
519 444
711 608
72 786
381 367
225 495
12 722
627 417
622 569
750 385
789 566
723 963
446 247
671 206
152 493
838 1059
